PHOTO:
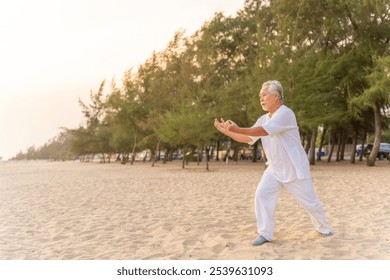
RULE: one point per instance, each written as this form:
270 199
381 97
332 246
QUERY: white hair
275 86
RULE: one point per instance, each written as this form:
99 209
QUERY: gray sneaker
260 240
327 234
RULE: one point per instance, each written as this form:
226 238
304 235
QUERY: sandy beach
93 211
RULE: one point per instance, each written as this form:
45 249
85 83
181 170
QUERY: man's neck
274 109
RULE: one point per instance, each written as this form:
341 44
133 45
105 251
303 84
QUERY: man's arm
250 131
222 127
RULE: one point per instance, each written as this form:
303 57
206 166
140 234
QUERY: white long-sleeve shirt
287 160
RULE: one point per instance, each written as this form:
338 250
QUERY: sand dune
72 210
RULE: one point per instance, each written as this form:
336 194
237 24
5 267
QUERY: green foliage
57 148
379 80
332 58
385 136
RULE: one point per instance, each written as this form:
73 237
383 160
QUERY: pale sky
53 52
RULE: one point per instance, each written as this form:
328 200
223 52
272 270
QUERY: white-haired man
287 162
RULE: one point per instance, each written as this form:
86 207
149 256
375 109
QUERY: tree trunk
254 159
343 143
321 144
145 157
207 157
124 158
332 146
218 146
133 152
166 156
338 147
307 142
235 154
155 154
183 162
228 151
354 144
312 151
378 136
199 155
362 150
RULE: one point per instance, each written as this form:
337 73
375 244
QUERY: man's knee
314 206
261 194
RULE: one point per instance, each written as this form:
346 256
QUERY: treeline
56 149
332 57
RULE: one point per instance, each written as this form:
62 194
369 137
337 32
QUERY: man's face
266 98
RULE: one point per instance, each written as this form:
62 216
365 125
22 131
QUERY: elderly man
288 164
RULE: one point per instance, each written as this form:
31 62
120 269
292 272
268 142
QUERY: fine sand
73 210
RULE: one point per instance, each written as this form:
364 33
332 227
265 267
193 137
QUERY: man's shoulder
286 110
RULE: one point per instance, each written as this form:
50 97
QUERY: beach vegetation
332 58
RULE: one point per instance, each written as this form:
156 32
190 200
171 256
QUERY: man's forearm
250 131
238 137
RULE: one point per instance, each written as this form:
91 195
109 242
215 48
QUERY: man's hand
227 128
224 126
220 125
230 125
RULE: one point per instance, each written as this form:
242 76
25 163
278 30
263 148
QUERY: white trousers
267 194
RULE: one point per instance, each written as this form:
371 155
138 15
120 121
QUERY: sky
55 52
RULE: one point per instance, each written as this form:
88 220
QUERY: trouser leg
304 192
267 194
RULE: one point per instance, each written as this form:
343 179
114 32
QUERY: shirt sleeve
253 139
281 121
